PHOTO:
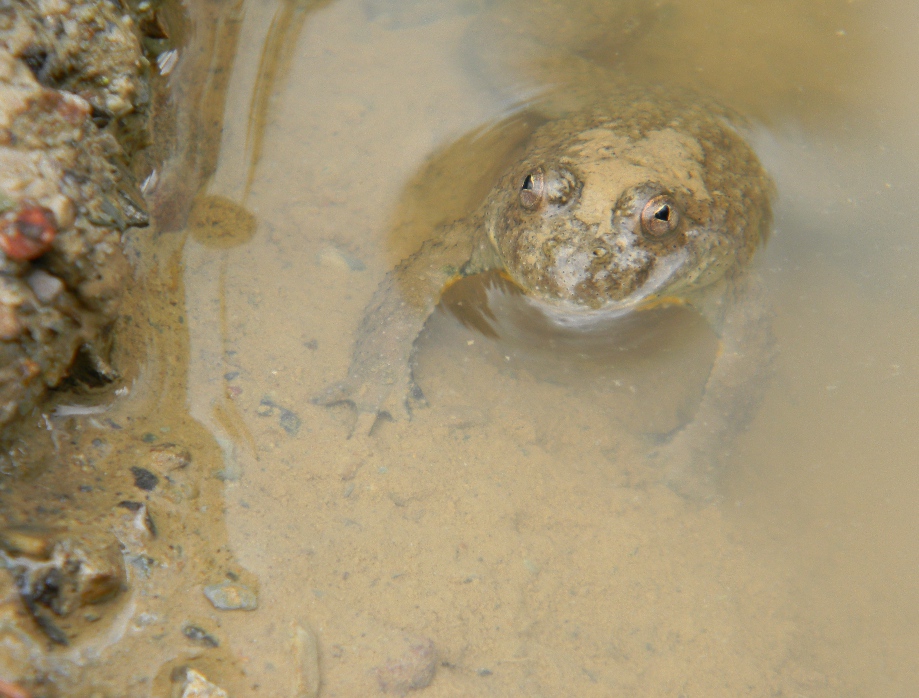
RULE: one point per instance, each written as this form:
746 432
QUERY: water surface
515 521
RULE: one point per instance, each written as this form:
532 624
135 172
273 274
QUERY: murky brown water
515 522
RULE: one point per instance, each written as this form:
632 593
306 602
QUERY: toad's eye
659 217
533 190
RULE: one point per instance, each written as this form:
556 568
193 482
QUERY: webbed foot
373 401
688 468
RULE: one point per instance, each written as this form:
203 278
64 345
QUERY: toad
640 199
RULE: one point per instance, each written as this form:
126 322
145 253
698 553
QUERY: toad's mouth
571 314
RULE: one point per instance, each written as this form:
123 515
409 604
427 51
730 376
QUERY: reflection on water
514 528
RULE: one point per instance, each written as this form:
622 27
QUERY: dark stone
144 479
199 635
289 421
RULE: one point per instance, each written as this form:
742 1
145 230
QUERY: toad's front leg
380 380
693 459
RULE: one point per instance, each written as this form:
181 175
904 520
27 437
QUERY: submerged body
633 201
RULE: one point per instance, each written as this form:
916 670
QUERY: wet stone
142 564
136 528
412 668
199 635
231 596
51 629
289 422
287 419
79 572
143 521
65 188
306 655
197 686
29 541
144 479
99 577
335 257
169 457
76 575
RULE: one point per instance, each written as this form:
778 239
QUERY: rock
143 520
231 596
80 572
29 541
74 111
101 573
135 528
199 635
412 668
336 257
168 457
171 463
21 649
306 655
144 479
288 419
197 686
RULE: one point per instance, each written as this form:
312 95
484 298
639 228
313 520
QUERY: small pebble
413 669
265 409
30 541
334 257
45 287
306 654
199 635
197 686
289 422
231 596
144 479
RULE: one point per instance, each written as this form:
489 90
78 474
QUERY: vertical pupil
663 213
528 182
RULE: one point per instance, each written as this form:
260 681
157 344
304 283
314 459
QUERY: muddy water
514 524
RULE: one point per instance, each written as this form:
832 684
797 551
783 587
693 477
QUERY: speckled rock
231 596
411 666
71 74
